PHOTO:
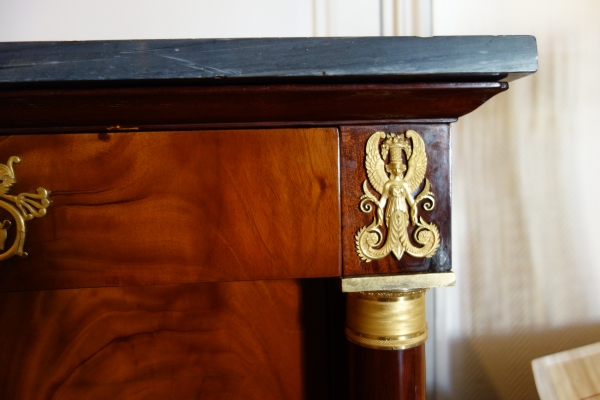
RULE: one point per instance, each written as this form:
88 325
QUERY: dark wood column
387 332
390 375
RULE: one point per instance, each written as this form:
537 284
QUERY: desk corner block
396 244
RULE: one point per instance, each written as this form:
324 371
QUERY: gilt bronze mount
23 207
396 207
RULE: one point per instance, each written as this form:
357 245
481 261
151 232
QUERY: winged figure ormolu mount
396 207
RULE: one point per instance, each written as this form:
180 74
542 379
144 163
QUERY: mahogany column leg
387 374
387 332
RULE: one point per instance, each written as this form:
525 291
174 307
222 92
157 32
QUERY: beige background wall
23 20
525 171
526 216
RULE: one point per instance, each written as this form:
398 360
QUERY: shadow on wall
501 365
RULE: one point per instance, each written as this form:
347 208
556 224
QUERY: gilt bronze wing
374 163
417 163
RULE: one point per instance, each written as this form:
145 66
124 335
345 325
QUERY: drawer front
174 207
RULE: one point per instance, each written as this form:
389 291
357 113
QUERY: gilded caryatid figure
396 210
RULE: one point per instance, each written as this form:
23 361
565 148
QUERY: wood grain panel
236 340
184 108
157 208
353 173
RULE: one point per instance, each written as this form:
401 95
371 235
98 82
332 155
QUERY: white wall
525 204
32 20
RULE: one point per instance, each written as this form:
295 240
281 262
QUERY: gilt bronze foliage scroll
23 207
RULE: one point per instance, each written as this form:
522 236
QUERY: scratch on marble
194 65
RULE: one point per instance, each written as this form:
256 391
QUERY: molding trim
398 283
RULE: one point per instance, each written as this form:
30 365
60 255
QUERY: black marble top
265 61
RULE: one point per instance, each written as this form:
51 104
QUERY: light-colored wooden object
569 375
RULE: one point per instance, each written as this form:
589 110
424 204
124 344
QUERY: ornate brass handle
26 206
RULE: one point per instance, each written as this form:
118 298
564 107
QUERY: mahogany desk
206 197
